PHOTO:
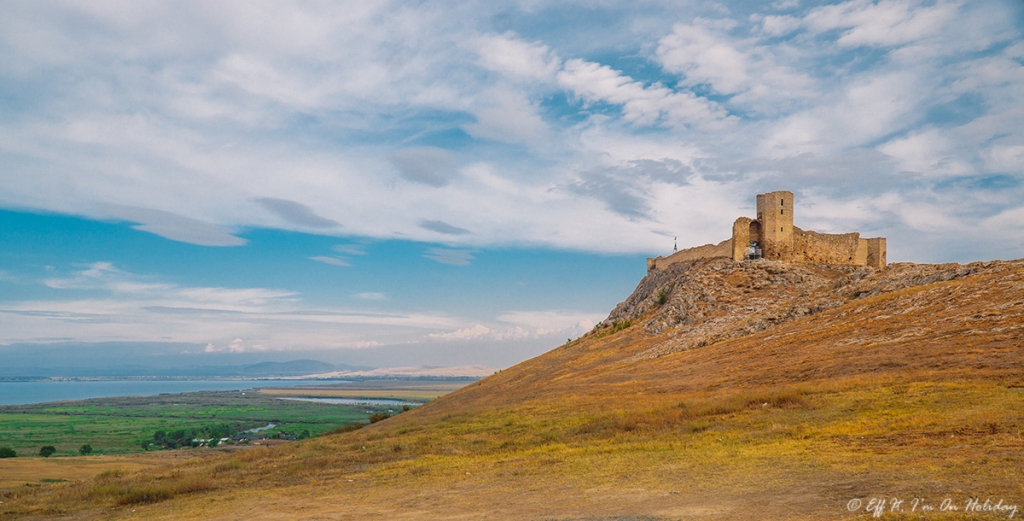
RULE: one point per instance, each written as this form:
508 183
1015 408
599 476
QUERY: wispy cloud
174 227
522 325
427 165
104 303
349 249
442 227
333 261
446 256
296 213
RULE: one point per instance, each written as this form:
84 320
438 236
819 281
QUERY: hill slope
717 390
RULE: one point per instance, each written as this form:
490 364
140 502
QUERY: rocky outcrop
700 302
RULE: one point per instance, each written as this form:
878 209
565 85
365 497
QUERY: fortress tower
775 216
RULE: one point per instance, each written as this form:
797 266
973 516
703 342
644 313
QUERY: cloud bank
407 121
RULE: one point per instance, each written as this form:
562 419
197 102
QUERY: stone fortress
773 236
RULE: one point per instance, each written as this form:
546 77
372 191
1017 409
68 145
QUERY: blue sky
393 183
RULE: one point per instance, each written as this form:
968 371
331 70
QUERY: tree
7 452
85 450
47 451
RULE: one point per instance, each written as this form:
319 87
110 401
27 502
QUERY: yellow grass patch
16 473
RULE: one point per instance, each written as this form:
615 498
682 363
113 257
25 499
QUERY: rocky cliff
704 301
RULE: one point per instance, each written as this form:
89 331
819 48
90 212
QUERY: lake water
15 393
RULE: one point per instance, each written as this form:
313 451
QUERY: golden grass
822 438
16 473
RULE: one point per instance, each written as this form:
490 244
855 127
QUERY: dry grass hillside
718 390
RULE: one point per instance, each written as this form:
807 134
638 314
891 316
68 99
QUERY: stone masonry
772 235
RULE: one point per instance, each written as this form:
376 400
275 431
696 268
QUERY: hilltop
717 390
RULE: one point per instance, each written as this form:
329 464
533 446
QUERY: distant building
773 236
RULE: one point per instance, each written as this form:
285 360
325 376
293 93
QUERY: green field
119 425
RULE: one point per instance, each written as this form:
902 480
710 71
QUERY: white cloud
643 106
349 249
175 227
471 333
507 115
692 50
396 119
237 345
779 25
509 55
929 152
295 213
884 23
704 53
1006 158
1009 224
427 165
865 110
333 261
785 4
524 325
124 307
448 256
552 322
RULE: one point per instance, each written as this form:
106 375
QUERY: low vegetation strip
128 424
402 389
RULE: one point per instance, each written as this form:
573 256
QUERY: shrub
374 418
7 452
85 450
662 297
47 451
619 325
348 428
145 495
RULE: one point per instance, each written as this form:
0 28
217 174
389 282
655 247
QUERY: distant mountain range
294 368
415 371
262 369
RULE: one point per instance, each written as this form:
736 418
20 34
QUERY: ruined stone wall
722 249
876 252
827 248
778 239
744 230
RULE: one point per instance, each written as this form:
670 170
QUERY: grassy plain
17 473
800 451
119 425
405 389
